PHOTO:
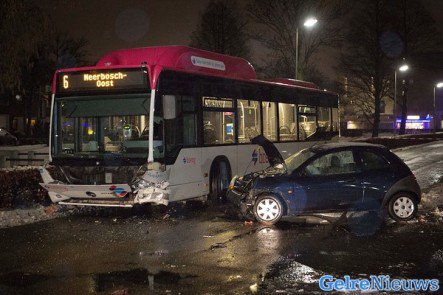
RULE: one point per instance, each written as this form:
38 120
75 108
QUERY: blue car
331 177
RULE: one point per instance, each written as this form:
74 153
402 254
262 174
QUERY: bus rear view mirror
169 107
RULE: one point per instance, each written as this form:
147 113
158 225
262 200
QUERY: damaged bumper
150 188
149 192
239 199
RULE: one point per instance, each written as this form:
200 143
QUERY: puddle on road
20 279
128 278
102 282
288 276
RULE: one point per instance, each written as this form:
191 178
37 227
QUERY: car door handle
365 182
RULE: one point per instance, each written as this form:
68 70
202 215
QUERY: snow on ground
425 161
38 148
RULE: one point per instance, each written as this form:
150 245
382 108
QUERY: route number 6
65 82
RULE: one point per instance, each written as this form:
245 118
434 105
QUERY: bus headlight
232 183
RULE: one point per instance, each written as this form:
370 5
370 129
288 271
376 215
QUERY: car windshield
296 160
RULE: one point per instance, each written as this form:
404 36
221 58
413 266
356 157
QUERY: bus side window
323 119
249 122
334 119
306 121
288 122
218 127
180 130
269 120
218 120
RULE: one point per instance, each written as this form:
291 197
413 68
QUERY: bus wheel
220 176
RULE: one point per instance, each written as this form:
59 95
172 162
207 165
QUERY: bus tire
219 178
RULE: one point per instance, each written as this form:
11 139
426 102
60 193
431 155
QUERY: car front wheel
402 207
268 209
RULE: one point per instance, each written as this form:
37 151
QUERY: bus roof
186 59
182 58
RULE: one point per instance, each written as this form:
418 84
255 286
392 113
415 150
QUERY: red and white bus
172 123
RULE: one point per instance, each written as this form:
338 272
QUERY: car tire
402 207
220 177
268 209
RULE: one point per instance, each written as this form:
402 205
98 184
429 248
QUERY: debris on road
234 277
161 252
253 288
217 246
120 292
51 209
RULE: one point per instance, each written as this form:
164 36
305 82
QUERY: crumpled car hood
274 156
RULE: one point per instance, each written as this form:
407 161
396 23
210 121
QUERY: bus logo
188 160
119 191
208 63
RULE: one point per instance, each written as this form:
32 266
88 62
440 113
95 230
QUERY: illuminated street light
434 119
403 68
309 23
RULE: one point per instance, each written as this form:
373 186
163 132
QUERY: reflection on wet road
203 252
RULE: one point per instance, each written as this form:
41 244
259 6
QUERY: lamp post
402 68
434 119
309 23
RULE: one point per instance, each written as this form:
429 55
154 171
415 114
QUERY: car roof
324 147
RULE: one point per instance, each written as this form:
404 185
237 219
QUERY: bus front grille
98 175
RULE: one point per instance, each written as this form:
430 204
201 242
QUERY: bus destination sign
104 80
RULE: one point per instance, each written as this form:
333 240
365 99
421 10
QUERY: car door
378 177
330 182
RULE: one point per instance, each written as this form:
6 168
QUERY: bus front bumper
143 194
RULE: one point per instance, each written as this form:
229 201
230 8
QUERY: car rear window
372 161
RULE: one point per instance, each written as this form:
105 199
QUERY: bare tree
222 29
58 50
277 22
380 33
21 27
363 62
419 36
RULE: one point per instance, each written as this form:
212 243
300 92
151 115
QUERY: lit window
219 127
269 120
287 122
334 119
249 124
324 120
306 121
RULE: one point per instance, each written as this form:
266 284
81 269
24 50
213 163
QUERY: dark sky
112 24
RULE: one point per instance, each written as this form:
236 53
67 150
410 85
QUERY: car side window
332 164
372 161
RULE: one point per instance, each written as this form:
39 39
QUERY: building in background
14 110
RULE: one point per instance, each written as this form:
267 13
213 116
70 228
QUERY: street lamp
438 85
403 68
309 23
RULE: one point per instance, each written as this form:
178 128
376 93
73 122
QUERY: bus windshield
95 126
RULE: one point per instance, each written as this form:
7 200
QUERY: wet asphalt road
205 252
